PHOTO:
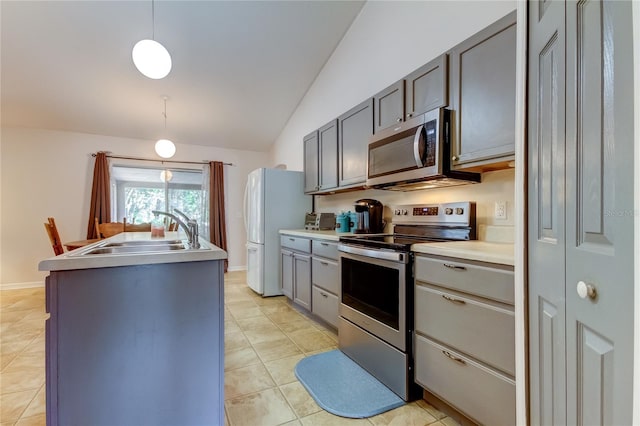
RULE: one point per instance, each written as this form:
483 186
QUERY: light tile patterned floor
264 339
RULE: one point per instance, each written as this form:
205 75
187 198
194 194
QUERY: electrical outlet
500 210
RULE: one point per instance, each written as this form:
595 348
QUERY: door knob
454 158
585 290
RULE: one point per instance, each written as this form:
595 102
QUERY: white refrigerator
274 199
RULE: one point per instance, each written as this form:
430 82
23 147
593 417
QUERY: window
137 191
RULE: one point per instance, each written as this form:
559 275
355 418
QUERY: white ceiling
240 68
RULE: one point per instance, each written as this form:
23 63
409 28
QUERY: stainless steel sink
144 243
134 249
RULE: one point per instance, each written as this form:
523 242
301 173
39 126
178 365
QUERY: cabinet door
302 280
328 143
311 161
355 128
600 212
483 95
546 219
426 88
389 106
286 263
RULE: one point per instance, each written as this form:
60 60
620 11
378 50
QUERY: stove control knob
405 212
459 210
396 212
448 211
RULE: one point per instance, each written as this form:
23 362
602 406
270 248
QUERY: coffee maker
369 214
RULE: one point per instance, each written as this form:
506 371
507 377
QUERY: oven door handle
393 256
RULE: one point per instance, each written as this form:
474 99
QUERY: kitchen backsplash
495 186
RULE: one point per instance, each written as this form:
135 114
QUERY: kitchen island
135 334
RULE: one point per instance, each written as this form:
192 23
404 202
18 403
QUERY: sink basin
140 248
144 243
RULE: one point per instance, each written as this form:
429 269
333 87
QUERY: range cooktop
415 224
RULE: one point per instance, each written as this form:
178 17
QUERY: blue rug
343 388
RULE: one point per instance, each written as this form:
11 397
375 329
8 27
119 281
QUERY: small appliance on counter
369 216
319 221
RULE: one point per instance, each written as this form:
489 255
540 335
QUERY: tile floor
264 339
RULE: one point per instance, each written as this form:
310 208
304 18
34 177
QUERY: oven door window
372 289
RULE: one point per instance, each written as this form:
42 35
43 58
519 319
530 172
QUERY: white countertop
76 260
330 235
482 251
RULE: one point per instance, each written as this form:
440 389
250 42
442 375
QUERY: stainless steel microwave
415 155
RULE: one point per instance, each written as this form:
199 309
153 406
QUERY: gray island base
137 344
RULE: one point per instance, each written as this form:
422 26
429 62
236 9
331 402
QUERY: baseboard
18 286
236 268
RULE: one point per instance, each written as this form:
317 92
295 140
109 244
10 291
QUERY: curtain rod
157 161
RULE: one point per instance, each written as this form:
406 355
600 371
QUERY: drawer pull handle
454 358
324 263
324 244
453 300
292 239
324 294
450 266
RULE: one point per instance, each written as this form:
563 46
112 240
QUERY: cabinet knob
399 119
409 115
586 290
454 158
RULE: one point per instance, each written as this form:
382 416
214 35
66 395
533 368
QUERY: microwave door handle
416 147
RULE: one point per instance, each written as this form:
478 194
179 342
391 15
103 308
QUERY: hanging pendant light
150 57
166 175
164 147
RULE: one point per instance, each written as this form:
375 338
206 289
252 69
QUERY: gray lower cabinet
482 86
580 215
465 336
326 281
355 128
134 345
295 255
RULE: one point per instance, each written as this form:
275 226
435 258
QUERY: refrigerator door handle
245 207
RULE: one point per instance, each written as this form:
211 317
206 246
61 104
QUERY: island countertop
77 260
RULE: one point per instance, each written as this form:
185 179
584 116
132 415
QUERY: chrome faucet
190 228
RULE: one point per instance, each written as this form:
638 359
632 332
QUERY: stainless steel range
376 304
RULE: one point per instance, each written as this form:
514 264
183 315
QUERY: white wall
48 173
495 186
387 40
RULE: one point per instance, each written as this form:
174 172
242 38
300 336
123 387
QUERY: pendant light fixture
150 57
166 175
164 147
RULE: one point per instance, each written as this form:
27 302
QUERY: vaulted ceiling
240 68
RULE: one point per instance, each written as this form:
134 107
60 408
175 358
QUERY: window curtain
214 219
100 194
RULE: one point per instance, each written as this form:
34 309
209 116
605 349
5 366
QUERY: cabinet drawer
325 274
296 243
483 281
325 305
482 330
325 249
481 393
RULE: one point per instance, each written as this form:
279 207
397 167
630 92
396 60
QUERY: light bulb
165 148
166 175
152 59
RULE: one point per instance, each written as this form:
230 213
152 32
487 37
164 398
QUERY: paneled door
599 197
546 213
581 248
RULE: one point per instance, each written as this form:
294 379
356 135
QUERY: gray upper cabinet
482 86
328 147
426 88
389 106
311 161
355 128
419 92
